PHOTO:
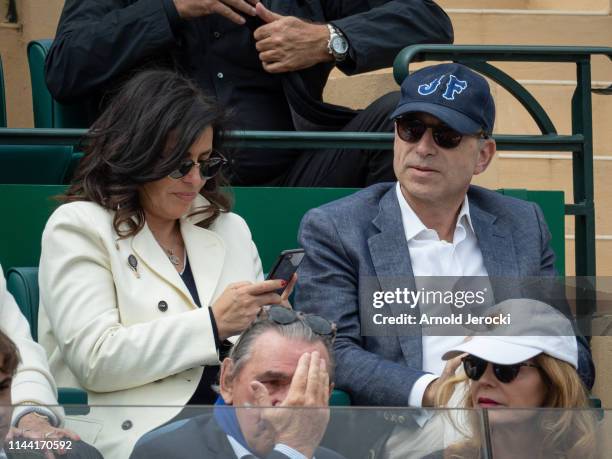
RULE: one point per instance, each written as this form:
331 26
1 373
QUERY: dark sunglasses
209 167
283 316
411 129
475 367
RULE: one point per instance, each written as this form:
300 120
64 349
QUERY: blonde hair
567 434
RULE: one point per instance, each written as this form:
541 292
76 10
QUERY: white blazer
32 382
132 337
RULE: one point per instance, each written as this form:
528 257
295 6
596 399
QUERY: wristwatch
337 45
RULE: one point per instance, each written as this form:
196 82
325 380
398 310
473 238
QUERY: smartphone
286 265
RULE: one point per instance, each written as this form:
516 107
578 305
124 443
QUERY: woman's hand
288 291
240 303
33 427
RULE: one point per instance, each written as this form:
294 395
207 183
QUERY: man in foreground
274 387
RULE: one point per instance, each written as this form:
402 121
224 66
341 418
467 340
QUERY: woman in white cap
534 366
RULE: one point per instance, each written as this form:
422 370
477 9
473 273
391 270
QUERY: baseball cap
538 329
453 93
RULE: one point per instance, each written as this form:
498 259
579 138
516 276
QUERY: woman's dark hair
145 133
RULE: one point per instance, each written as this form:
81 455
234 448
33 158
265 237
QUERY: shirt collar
239 450
413 225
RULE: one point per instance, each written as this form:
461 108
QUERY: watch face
339 45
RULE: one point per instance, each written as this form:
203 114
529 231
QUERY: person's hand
287 292
189 9
239 304
286 43
429 397
301 419
33 427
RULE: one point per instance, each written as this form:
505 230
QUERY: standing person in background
269 61
144 271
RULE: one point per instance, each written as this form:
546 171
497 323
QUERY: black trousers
340 167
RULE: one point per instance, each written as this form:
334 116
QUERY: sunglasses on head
475 367
209 167
411 129
284 316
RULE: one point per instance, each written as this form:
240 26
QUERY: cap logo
453 87
427 89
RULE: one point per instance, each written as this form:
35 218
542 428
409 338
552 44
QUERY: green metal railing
580 142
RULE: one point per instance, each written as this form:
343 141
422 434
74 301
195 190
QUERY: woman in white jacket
144 272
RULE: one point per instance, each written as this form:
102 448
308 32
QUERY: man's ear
487 148
226 381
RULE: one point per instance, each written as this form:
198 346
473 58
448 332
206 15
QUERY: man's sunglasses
284 316
209 167
411 129
475 367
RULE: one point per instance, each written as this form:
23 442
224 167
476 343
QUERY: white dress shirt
430 256
240 451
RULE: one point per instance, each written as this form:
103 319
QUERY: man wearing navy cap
431 222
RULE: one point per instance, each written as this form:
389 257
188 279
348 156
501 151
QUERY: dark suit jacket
201 437
362 236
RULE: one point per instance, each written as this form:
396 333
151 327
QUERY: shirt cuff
418 390
289 451
21 411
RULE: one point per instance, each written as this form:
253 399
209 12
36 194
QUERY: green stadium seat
273 215
2 98
23 285
36 164
48 113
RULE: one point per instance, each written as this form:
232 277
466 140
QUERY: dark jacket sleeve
97 40
376 36
328 286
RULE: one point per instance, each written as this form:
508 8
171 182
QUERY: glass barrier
350 432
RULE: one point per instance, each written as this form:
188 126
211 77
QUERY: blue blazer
362 236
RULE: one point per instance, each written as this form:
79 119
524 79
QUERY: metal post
584 194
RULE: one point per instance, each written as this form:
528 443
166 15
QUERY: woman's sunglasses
209 167
411 129
475 367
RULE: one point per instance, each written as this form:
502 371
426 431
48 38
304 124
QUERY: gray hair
298 331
